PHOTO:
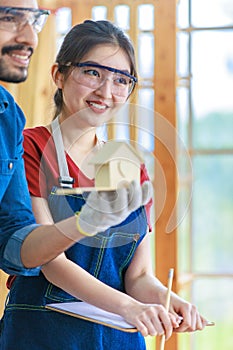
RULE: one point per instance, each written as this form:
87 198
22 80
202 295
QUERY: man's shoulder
10 110
5 95
7 101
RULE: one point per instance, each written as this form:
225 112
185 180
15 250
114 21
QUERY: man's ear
57 76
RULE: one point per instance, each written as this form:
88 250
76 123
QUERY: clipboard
92 313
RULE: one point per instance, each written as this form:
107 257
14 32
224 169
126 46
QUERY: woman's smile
97 106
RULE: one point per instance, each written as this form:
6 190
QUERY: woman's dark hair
84 37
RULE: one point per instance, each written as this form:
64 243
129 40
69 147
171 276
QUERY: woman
95 74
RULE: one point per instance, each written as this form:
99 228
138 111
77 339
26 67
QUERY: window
205 123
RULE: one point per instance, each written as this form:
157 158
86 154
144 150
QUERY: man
18 40
24 245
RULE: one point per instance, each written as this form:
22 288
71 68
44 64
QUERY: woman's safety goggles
94 75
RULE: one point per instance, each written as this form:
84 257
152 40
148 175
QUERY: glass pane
210 13
122 16
146 139
121 123
183 114
183 13
102 132
146 55
212 214
212 86
184 338
184 232
146 17
185 172
150 343
183 54
214 300
146 98
148 157
184 209
99 12
145 119
63 20
184 341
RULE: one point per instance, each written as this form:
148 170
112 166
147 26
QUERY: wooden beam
165 144
4 291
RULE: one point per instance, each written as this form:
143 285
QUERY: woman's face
95 103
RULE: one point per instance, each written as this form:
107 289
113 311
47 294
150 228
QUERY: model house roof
114 150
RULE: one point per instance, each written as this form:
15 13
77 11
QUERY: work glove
104 209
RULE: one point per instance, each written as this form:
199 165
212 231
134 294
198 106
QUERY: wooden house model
116 164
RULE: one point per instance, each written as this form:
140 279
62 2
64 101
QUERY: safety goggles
14 19
94 76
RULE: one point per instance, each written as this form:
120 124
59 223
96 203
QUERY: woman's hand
104 209
191 320
150 319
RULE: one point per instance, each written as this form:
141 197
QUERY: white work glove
104 209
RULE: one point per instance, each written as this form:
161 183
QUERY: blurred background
181 118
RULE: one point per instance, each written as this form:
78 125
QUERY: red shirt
42 168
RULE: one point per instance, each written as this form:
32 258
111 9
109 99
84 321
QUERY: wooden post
165 144
3 291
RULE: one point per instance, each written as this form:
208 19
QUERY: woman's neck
75 136
80 144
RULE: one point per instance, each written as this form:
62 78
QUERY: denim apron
27 325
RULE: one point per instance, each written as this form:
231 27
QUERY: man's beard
12 77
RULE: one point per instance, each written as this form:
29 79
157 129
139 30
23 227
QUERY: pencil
167 302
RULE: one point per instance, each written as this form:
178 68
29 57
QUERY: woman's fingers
154 320
191 320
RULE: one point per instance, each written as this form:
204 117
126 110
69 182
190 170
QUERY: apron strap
64 179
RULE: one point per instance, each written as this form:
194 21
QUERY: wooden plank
165 144
4 291
80 12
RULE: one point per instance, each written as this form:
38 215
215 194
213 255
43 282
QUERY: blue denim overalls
27 325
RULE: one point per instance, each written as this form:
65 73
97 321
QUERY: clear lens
39 22
95 76
13 19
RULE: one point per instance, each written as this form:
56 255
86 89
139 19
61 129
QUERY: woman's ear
57 76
